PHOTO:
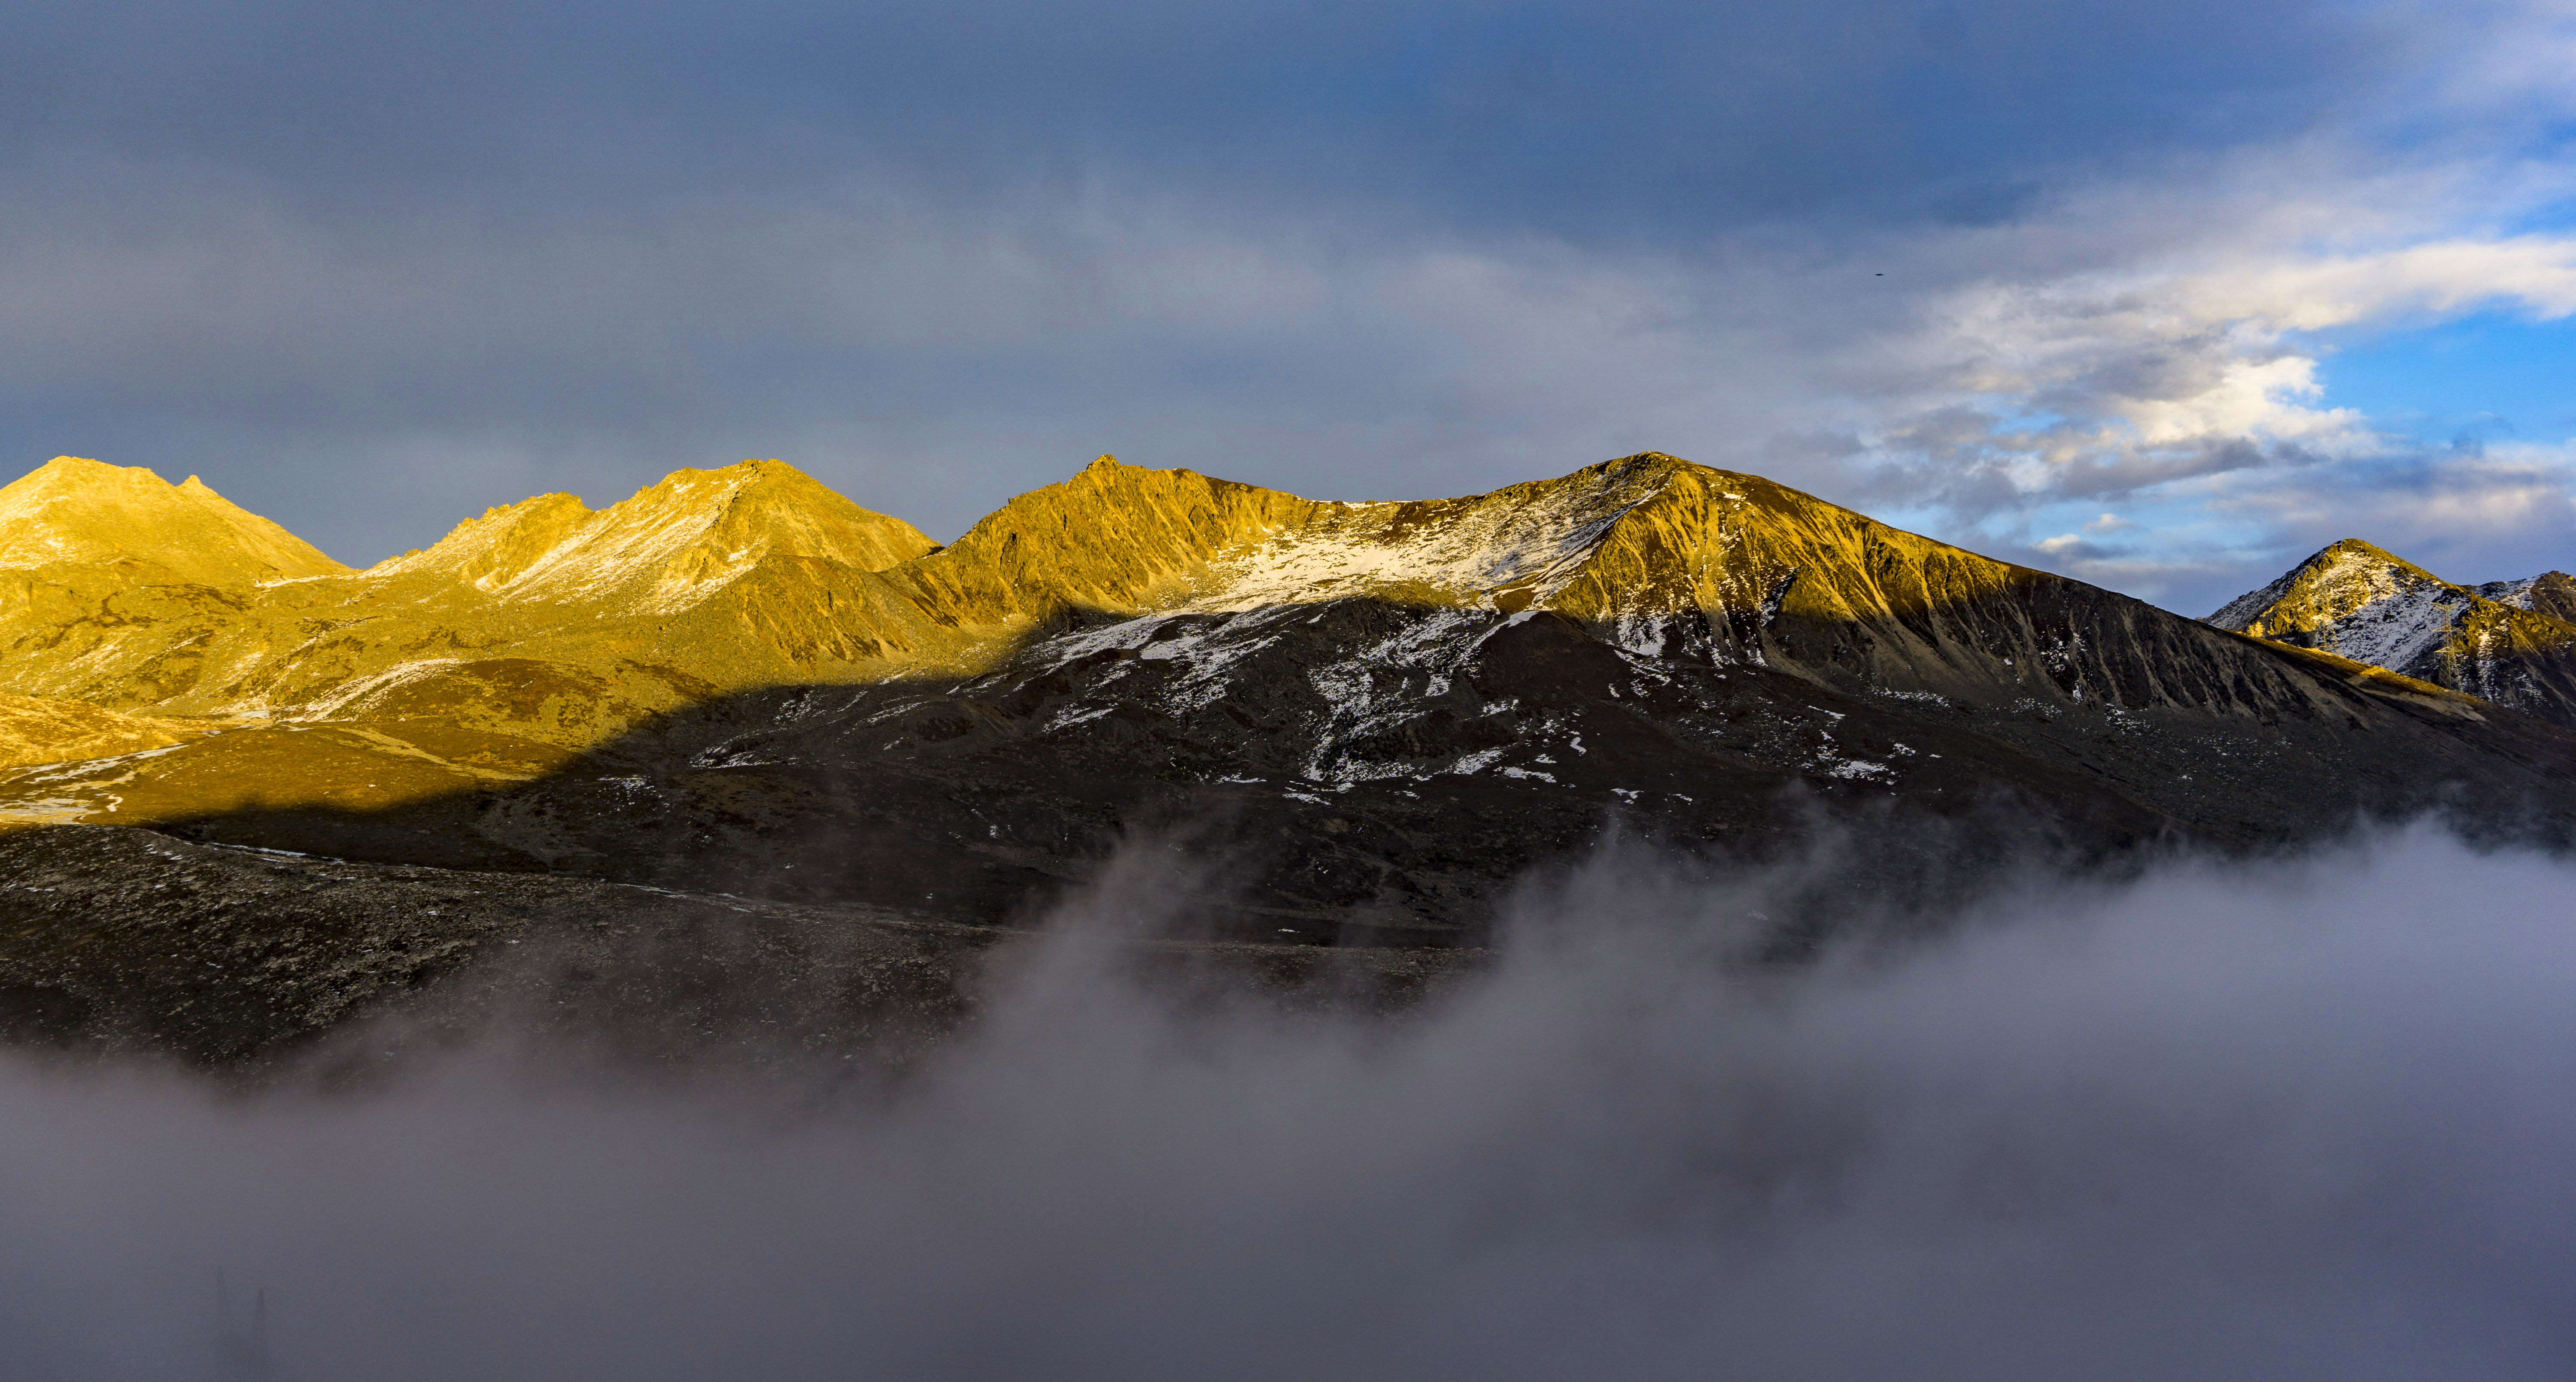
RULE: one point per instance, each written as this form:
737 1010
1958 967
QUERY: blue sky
2485 377
2161 296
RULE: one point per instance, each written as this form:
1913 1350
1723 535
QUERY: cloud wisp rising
2305 1120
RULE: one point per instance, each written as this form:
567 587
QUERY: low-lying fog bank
2308 1119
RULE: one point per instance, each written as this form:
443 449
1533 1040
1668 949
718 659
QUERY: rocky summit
1355 728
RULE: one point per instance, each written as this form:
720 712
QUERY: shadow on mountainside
1327 797
1375 773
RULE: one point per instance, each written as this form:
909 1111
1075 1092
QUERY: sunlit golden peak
76 510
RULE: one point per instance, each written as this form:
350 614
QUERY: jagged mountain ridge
1152 597
659 551
545 622
2508 642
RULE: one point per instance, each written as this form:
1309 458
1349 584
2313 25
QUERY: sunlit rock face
2507 642
670 548
172 655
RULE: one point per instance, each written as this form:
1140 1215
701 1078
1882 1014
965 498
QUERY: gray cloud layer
369 271
2305 1119
1513 115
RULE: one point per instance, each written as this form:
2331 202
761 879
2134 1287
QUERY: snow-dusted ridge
1522 551
2359 602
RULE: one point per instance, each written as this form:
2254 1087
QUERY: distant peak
730 478
2355 547
2340 560
1105 461
673 542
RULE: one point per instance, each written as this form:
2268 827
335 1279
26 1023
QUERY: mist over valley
2301 1117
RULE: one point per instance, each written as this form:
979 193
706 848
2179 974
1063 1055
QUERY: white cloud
2128 367
2153 343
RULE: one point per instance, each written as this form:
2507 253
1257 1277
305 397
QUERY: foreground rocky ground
117 940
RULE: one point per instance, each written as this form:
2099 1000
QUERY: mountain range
1358 726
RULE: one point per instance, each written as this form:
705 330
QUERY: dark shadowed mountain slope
1357 771
1371 718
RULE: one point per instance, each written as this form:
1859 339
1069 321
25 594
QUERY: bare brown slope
1363 772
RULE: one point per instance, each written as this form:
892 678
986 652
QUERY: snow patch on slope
2355 602
2240 613
2394 631
2393 616
2514 593
1482 553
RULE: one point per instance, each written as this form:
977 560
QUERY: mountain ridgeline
1367 721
